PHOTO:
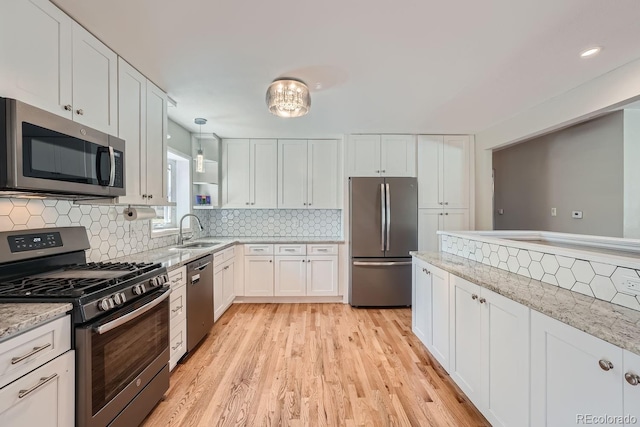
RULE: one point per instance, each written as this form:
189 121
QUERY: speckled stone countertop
19 317
173 258
610 322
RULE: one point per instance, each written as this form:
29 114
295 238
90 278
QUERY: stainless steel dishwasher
199 300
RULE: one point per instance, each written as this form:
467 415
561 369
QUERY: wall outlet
633 285
576 214
553 212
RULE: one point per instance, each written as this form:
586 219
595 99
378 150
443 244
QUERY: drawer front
178 305
218 258
290 249
229 253
178 277
177 344
320 249
27 351
258 249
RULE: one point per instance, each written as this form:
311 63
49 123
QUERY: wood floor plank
312 365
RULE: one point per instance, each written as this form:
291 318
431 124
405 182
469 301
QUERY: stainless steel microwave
42 153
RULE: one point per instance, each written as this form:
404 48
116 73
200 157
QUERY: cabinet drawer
229 253
178 305
34 348
178 277
322 249
218 258
290 249
177 343
258 249
44 397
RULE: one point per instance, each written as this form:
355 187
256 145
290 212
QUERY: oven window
51 155
120 355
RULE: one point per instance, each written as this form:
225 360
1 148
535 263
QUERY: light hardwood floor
312 364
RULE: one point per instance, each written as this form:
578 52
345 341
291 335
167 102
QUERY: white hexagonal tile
95 242
63 207
486 249
503 266
620 276
86 221
512 264
479 255
75 214
513 251
603 288
582 271
35 206
95 213
626 301
550 264
50 215
50 202
582 288
524 259
63 221
19 215
550 279
95 228
564 261
5 206
20 202
104 234
523 271
35 222
536 256
603 269
536 270
565 278
5 223
503 254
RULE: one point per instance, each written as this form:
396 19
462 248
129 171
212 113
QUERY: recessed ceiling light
590 52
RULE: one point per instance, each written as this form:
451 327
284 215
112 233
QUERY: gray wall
180 138
578 168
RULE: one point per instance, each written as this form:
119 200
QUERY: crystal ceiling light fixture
200 155
288 98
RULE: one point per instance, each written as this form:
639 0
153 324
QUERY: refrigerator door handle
388 199
380 264
383 217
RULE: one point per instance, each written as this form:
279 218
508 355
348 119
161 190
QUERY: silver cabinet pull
35 350
323 250
474 297
446 203
290 250
151 196
270 260
246 203
177 346
440 213
80 111
377 171
632 379
177 309
309 204
605 365
68 107
446 213
439 203
482 300
43 381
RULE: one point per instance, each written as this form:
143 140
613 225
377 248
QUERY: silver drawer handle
177 309
605 365
632 379
35 350
177 346
290 250
43 381
474 297
323 250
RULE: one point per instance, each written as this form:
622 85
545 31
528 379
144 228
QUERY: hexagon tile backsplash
595 279
111 236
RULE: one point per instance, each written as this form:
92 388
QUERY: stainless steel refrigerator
383 218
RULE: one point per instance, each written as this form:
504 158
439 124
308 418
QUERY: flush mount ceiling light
200 155
288 98
590 52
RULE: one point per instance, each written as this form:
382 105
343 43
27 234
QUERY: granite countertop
610 322
19 317
172 258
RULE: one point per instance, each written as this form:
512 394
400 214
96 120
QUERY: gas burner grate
107 266
52 287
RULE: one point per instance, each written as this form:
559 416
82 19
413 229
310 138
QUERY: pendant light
200 155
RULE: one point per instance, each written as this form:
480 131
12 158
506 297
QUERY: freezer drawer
380 282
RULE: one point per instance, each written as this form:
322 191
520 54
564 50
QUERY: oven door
118 356
54 154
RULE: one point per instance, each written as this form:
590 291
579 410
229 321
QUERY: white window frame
185 173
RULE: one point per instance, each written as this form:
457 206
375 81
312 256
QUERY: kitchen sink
196 245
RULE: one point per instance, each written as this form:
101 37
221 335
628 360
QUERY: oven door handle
130 316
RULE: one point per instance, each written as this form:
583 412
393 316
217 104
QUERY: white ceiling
409 66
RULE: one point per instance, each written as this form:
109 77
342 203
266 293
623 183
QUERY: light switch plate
553 212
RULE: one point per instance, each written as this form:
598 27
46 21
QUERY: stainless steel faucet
181 237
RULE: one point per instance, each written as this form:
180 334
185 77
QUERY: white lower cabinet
258 275
573 375
290 276
631 365
322 275
490 352
44 397
177 316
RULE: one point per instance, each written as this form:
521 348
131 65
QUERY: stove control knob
152 282
139 289
119 299
104 305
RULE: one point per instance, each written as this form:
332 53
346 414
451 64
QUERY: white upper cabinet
35 44
308 174
51 62
95 80
249 173
382 155
142 109
443 171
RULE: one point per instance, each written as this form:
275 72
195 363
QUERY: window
178 193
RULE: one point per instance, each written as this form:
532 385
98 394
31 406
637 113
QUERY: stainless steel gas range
120 316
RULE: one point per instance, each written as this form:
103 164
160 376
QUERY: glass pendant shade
288 98
200 162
